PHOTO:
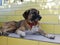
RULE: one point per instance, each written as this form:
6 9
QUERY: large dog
29 25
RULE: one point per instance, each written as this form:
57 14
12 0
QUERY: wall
50 14
19 41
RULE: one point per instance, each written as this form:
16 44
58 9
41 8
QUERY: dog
31 24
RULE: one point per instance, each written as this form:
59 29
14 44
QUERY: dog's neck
31 23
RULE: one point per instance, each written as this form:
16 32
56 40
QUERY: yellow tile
31 6
19 12
48 11
14 18
39 0
57 29
59 11
44 11
44 18
15 41
54 11
10 13
46 43
2 18
0 40
49 28
59 19
7 13
3 40
44 0
1 23
49 18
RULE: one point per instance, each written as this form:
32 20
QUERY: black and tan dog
30 24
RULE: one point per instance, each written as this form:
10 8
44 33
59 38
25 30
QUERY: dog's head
33 14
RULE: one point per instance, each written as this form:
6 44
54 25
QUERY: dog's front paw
50 36
22 36
21 33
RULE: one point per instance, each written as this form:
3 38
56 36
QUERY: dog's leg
46 35
21 33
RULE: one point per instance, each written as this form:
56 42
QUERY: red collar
32 24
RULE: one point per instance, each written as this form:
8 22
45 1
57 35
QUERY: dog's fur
31 16
8 27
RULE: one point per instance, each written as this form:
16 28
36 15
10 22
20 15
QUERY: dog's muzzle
36 17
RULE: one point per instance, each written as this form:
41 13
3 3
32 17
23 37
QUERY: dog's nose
39 17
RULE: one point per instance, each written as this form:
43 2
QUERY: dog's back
19 23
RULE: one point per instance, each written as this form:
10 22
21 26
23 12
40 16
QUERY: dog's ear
26 14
